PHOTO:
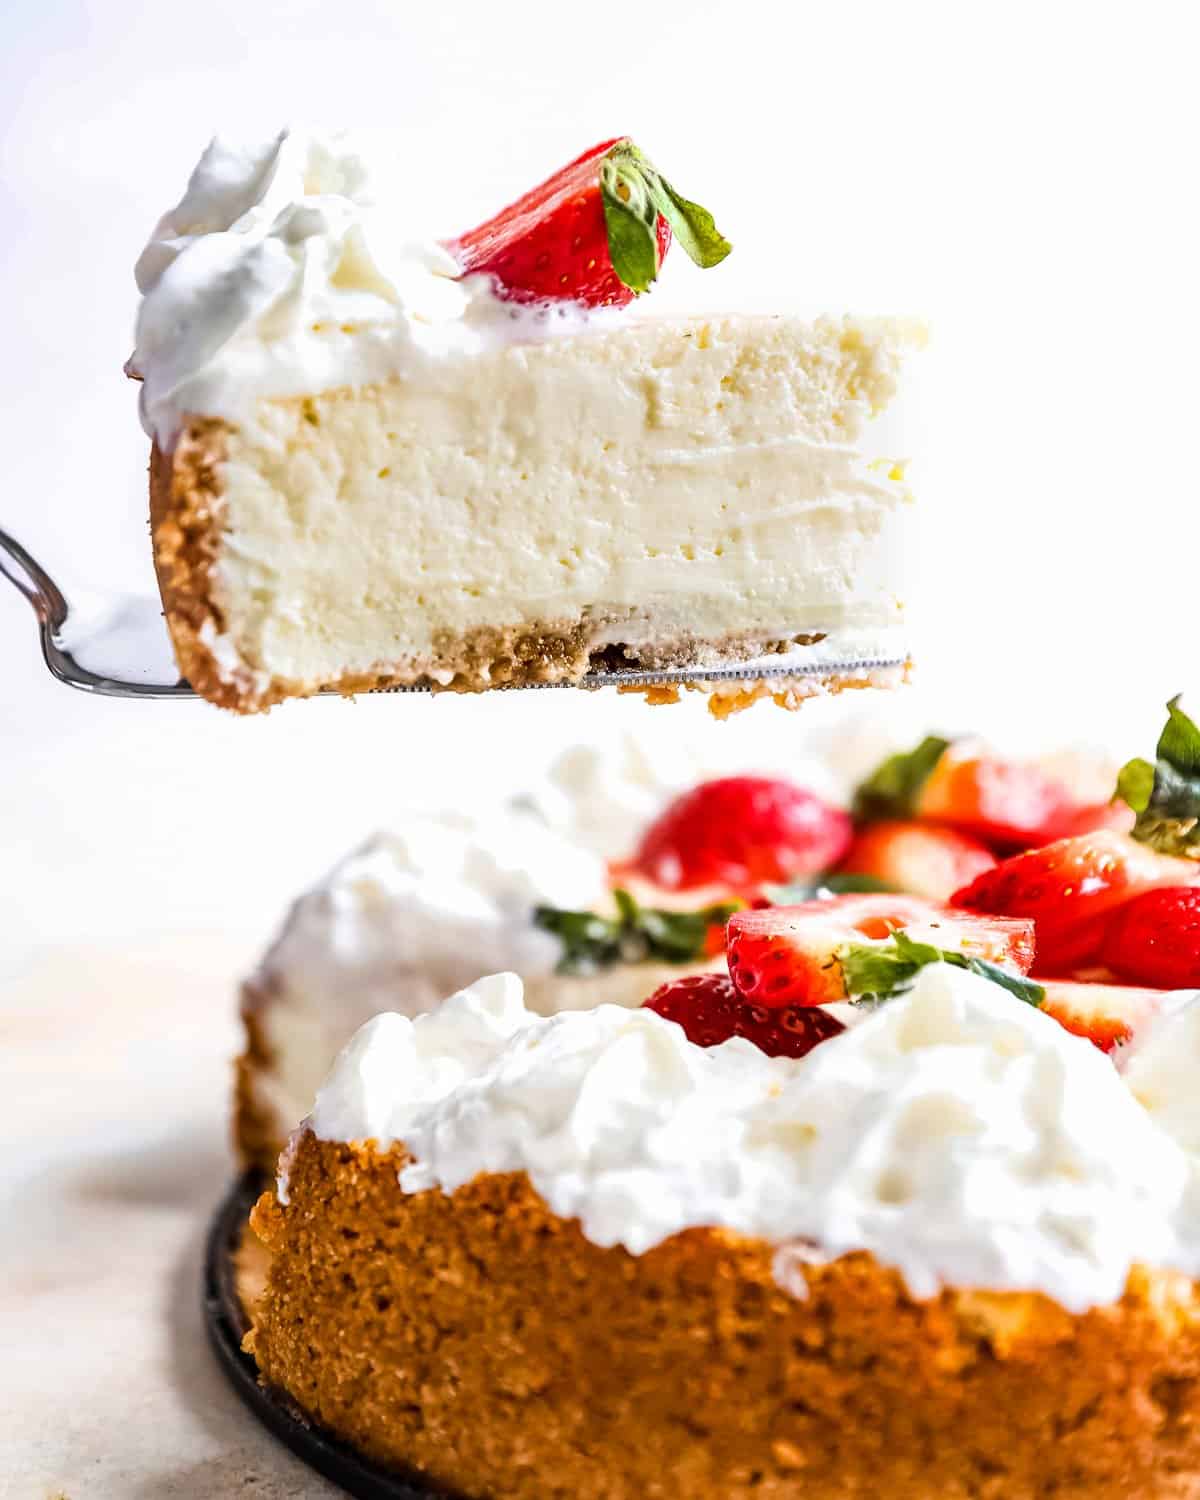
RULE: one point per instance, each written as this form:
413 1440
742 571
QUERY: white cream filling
958 1135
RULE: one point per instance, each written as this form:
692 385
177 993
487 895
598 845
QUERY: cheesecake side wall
483 1340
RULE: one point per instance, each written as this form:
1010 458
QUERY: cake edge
1108 1401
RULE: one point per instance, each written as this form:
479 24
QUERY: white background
1022 175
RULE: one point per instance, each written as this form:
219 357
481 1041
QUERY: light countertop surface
108 1390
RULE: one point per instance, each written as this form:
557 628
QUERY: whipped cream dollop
415 906
287 268
414 914
960 1136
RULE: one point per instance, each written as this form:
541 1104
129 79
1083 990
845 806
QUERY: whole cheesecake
950 1252
376 464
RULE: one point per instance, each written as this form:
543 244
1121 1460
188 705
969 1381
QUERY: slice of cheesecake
377 464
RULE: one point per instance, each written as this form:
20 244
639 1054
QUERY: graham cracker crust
487 1343
187 509
255 1129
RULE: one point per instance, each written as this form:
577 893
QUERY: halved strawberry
594 233
1009 803
1091 817
710 1010
918 857
1155 939
738 833
1107 1014
1070 889
815 953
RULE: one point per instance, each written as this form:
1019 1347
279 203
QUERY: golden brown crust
488 1344
251 1267
727 699
186 505
255 1129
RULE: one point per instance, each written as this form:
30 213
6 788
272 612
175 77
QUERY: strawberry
917 857
1070 889
1107 1014
1004 802
740 832
594 233
1090 817
1155 939
833 949
710 1010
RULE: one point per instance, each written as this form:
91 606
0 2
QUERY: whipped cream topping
284 270
412 915
958 1135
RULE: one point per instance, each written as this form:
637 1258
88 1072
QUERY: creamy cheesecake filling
679 487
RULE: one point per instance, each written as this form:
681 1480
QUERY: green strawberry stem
592 942
634 193
1166 795
892 789
879 972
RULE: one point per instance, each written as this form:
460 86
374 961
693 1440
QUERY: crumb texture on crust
484 1342
256 1127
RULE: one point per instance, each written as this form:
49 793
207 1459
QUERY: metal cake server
118 645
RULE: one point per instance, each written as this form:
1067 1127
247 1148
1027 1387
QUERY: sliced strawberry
710 1010
1090 818
918 858
797 955
1155 939
1070 889
741 832
594 233
1107 1014
1011 804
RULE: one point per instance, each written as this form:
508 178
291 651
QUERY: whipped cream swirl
959 1136
285 270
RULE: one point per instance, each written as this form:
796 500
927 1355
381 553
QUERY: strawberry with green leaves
1007 803
1077 890
594 233
848 947
1071 890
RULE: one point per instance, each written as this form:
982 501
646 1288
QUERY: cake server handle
123 638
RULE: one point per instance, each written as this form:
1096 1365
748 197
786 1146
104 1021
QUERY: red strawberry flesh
741 832
595 233
789 955
918 858
711 1011
1107 1015
1155 939
1070 889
